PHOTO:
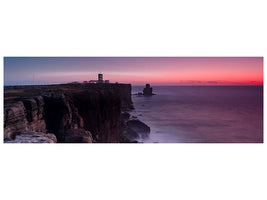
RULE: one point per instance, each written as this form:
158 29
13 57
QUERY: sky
135 70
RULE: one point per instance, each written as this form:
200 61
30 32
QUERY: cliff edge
74 113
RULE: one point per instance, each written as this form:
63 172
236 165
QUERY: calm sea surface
201 113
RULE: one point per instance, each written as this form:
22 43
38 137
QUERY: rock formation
32 137
148 90
26 114
137 129
73 113
77 136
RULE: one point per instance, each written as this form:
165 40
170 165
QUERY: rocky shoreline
72 113
134 129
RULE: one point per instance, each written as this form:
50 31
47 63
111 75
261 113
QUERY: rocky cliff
73 112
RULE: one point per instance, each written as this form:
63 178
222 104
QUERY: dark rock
125 139
7 139
136 127
125 115
61 114
131 134
148 90
77 136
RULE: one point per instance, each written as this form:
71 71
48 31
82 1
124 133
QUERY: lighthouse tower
100 78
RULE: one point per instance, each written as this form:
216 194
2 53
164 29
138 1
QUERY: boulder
77 136
136 128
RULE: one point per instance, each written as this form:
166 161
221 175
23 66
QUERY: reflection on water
202 113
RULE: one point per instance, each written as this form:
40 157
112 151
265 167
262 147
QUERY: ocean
201 114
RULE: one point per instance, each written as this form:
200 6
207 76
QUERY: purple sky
135 70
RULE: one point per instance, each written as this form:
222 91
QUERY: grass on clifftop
15 93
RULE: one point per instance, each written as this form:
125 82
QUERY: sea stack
147 90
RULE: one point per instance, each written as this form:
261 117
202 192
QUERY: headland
70 113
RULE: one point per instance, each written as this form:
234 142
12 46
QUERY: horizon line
130 84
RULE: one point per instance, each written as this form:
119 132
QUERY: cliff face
61 115
74 113
24 115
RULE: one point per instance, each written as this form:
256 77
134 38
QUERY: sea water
201 114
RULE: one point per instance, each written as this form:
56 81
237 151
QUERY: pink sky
138 70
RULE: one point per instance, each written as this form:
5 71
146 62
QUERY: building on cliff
100 79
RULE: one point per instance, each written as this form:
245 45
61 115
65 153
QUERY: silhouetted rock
136 128
147 90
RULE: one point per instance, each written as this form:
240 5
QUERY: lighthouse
100 78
